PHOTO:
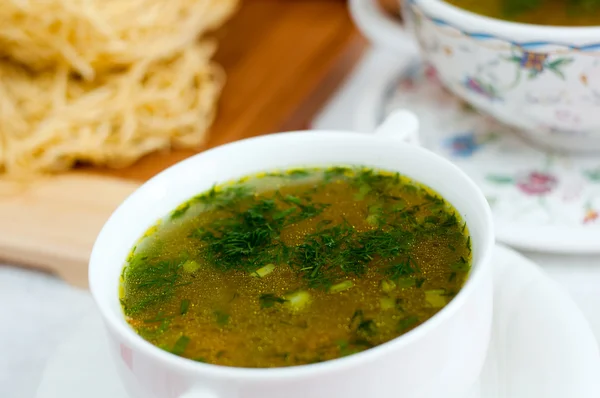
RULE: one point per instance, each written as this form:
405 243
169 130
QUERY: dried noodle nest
104 81
92 36
50 120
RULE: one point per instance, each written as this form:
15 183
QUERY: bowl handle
379 27
400 125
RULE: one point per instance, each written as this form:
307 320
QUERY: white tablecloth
37 310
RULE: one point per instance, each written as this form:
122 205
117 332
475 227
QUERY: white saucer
541 201
542 347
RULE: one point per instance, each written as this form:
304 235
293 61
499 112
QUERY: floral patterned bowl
543 80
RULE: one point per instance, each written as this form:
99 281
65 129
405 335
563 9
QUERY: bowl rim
511 28
480 269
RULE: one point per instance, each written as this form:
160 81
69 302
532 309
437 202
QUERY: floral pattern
477 86
591 216
463 144
431 74
533 61
529 85
525 185
533 183
536 63
466 144
593 175
537 183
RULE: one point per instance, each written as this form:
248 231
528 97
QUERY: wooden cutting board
283 60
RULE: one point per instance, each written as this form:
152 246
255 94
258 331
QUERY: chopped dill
419 282
452 276
367 327
225 198
407 322
158 318
180 211
407 267
334 173
298 173
268 300
157 281
180 345
222 318
183 308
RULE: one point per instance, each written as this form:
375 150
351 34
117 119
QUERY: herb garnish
407 322
180 345
360 230
183 308
224 198
180 211
157 281
249 233
268 300
250 238
406 268
331 253
419 282
221 318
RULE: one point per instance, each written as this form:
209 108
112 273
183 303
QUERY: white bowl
543 80
442 357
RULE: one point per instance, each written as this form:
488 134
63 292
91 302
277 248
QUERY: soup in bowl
300 264
508 59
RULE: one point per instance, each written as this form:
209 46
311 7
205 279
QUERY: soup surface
540 12
295 267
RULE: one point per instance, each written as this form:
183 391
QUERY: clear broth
539 12
296 267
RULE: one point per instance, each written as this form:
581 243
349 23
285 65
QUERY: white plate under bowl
541 201
542 347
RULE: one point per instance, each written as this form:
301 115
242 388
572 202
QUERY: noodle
92 36
104 81
50 120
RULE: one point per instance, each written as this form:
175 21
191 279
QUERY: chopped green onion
387 285
373 219
264 271
191 266
387 303
406 282
340 287
436 297
375 214
363 190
